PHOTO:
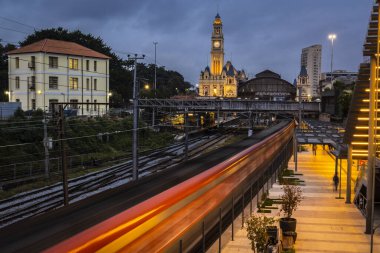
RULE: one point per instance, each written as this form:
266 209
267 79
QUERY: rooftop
58 47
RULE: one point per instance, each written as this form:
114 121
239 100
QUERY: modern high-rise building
311 58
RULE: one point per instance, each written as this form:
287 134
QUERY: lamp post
332 37
155 80
8 93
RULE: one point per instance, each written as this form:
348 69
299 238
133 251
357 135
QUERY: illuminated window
73 83
73 63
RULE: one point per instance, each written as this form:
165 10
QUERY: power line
13 30
17 22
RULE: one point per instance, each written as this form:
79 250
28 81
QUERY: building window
33 104
17 62
95 101
95 84
32 63
95 66
32 82
17 82
87 105
51 101
73 83
74 105
53 62
73 63
87 84
87 65
53 82
18 100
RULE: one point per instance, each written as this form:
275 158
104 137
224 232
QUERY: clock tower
219 79
217 47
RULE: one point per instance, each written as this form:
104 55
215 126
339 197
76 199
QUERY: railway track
48 198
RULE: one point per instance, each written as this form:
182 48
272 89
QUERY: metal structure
135 116
232 105
362 128
267 85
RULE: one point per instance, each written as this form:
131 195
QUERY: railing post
180 246
250 205
203 237
242 211
233 218
220 231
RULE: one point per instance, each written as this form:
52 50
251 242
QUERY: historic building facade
304 86
267 85
51 71
219 80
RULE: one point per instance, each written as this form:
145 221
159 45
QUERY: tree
4 69
121 71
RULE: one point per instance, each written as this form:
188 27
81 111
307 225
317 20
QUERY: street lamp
146 86
332 37
8 93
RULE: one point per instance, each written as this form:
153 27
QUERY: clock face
216 44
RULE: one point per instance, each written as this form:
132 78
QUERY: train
180 218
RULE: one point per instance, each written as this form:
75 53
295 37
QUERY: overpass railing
229 105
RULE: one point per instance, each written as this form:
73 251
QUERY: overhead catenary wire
18 22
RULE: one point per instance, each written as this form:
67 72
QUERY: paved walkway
324 223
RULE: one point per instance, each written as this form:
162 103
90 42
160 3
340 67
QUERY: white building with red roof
51 71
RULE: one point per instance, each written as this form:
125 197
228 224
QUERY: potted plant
257 232
290 200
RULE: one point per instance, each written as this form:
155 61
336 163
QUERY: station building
267 85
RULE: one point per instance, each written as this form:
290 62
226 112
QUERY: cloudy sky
259 34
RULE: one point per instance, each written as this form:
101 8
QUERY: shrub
291 198
257 231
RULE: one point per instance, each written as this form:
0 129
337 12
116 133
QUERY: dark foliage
169 83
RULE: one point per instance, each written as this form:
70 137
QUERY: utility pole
299 107
46 146
371 146
186 134
155 81
62 145
135 117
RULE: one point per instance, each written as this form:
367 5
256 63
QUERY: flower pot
288 224
272 232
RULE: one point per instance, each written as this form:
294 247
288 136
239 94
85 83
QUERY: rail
173 220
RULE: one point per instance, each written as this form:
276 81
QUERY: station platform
324 223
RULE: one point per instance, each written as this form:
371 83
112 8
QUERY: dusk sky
259 34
